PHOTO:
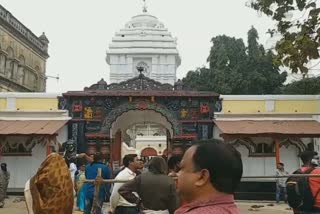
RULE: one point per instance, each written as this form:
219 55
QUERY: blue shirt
91 174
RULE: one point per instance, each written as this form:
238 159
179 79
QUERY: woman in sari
50 191
80 178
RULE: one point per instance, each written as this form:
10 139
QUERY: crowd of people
203 180
200 181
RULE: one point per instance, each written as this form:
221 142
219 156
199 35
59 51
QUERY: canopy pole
277 146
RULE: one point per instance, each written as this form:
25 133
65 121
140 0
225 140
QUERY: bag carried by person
299 191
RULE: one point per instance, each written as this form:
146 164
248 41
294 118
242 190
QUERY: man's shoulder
123 174
206 209
95 166
100 165
316 171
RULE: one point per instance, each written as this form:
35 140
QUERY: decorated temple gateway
162 117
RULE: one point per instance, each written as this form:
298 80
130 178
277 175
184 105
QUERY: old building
23 56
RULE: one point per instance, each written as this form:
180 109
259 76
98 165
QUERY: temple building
23 56
146 43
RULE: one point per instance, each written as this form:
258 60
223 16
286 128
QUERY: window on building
264 149
310 146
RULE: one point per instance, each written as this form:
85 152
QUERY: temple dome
144 20
143 34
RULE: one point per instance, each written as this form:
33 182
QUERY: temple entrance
140 113
146 133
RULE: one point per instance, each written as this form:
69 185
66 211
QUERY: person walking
281 191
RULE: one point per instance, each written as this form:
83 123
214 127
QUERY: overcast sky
81 30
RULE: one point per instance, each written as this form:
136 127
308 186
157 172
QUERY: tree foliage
304 86
237 69
300 40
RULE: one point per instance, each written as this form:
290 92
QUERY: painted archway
247 143
132 117
142 105
136 114
294 142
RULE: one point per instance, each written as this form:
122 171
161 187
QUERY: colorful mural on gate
95 109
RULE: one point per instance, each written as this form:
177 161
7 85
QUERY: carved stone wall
22 56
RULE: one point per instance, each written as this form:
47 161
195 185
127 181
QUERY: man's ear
203 178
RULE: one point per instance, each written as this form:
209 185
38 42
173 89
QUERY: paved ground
246 207
14 205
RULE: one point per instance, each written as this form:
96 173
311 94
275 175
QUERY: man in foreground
209 175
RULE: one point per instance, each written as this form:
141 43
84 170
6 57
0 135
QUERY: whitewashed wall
264 166
23 168
289 156
256 166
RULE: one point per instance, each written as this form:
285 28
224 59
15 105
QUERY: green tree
304 86
254 49
263 76
227 61
300 40
237 69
